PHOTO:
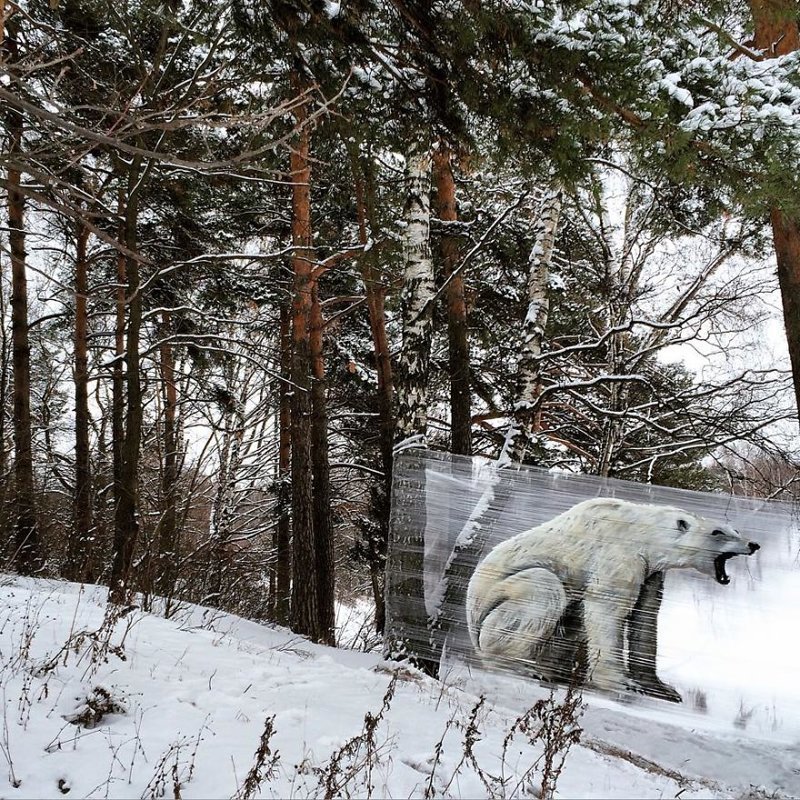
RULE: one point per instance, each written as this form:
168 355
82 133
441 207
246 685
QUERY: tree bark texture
283 554
323 533
417 298
167 531
78 567
407 632
27 542
305 597
777 33
118 373
375 291
457 327
526 414
223 507
126 524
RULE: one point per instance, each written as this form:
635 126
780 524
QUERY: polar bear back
594 538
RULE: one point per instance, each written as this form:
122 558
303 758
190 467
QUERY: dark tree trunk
283 554
78 567
167 532
375 291
117 373
5 366
323 533
27 542
305 609
457 328
777 33
126 525
786 236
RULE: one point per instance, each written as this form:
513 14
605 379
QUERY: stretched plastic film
686 597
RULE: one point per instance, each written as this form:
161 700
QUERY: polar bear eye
717 533
683 525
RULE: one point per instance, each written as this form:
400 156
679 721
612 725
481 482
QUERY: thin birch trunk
527 415
457 328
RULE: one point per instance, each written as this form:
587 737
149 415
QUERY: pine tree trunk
78 567
126 525
375 291
283 571
777 33
527 416
27 542
457 328
167 531
305 608
323 533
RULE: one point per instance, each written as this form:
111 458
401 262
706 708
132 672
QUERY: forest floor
207 705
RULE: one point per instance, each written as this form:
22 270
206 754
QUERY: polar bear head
686 540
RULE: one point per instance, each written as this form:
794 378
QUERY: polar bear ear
683 525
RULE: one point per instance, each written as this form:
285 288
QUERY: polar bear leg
516 628
643 640
604 617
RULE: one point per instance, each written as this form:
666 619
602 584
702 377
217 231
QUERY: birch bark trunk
527 415
418 293
407 632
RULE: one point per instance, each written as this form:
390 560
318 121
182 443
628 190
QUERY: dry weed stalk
359 754
173 771
265 764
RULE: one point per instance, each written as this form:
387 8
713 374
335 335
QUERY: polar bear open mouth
719 568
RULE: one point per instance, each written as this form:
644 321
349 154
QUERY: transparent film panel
557 577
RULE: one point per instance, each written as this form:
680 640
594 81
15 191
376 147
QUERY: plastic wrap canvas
678 600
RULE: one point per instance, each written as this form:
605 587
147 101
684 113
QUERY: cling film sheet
688 601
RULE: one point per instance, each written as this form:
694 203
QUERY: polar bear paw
653 686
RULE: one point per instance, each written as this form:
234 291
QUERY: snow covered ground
143 706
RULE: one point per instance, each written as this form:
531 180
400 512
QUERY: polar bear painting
568 590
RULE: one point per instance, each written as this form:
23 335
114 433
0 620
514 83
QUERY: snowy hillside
143 706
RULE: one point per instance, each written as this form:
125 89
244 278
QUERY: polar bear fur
595 557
